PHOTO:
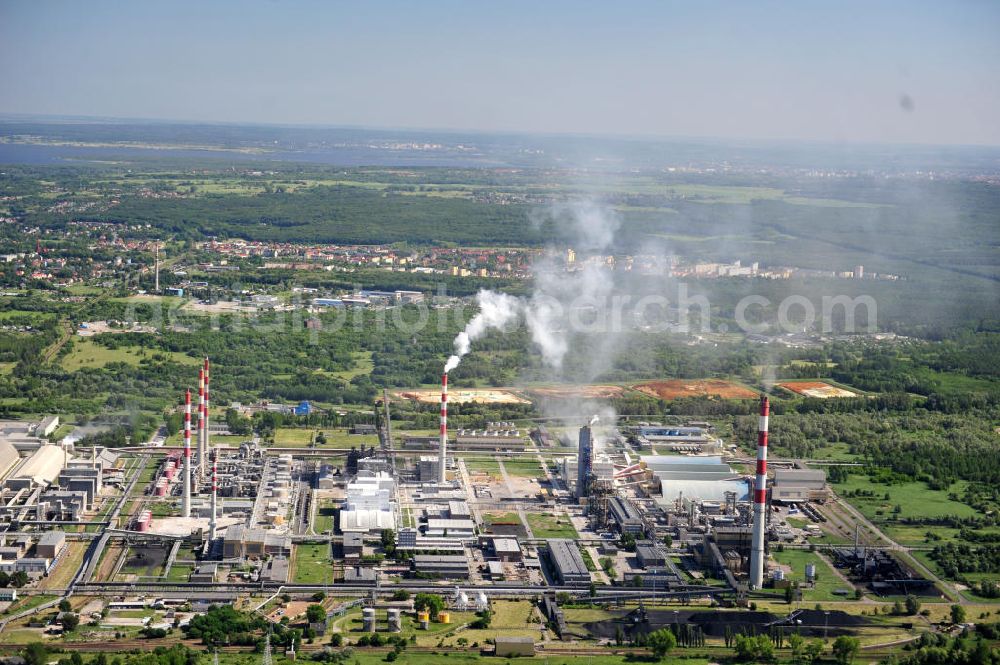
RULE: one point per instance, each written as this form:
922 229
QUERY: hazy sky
857 71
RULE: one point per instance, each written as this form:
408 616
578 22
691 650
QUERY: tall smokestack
759 499
156 286
584 461
215 491
202 459
187 453
443 453
208 442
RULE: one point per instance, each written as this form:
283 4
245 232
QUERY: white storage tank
395 620
368 619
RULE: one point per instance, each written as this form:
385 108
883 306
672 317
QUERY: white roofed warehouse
705 478
799 485
8 457
42 468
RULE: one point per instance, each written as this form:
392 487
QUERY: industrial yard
568 537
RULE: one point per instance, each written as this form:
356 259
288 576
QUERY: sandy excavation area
817 389
676 388
577 392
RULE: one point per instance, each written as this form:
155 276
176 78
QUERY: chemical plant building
695 478
626 516
242 542
40 469
370 506
491 438
447 566
799 485
677 439
48 548
567 563
48 484
449 528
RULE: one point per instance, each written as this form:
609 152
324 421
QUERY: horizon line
101 119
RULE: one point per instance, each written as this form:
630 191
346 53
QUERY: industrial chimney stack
212 527
187 454
584 461
202 459
443 451
208 443
759 500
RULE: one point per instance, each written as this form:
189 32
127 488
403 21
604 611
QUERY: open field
577 392
323 520
179 572
915 500
336 439
483 465
490 519
816 389
69 563
674 388
794 564
85 353
311 564
548 525
464 396
363 364
524 468
176 440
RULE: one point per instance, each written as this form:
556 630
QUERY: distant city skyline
888 72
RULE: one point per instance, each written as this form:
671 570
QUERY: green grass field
826 579
179 572
85 353
312 564
28 317
336 439
546 525
228 440
915 500
363 365
28 602
146 476
948 383
323 520
525 468
500 518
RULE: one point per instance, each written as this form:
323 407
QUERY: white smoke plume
496 310
553 313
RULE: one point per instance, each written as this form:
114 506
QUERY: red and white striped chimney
187 454
443 453
759 500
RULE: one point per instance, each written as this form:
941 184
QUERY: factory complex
495 511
